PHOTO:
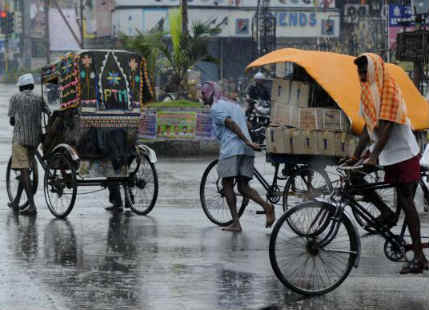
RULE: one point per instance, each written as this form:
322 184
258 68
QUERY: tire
425 194
297 189
213 200
141 191
60 185
388 195
12 182
297 261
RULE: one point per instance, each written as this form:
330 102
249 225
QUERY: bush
176 104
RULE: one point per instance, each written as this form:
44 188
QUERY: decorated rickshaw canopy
101 80
337 74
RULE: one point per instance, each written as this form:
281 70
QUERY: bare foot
271 218
236 227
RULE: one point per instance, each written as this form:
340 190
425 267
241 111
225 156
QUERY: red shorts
407 171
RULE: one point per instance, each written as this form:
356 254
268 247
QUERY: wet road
173 259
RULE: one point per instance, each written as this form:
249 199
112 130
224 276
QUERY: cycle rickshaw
315 243
90 139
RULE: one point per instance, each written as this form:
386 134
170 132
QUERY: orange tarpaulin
337 74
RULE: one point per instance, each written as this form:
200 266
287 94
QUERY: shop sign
353 13
307 24
230 3
400 13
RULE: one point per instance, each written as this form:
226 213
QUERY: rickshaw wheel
60 185
12 182
141 190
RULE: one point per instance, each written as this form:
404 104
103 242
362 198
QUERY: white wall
127 21
229 3
290 23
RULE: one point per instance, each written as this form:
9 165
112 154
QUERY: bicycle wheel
60 185
425 194
307 183
141 191
12 182
387 195
319 258
213 200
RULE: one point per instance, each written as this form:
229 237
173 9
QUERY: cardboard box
310 118
303 141
282 140
323 119
332 119
342 141
300 94
326 143
281 69
280 91
277 140
335 119
284 115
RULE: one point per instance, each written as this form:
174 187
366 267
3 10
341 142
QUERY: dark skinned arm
384 130
231 125
363 143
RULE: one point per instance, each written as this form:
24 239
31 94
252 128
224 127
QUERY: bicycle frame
263 181
79 182
346 198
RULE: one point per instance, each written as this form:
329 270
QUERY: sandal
414 266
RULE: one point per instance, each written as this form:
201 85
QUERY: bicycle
295 194
213 200
61 181
323 241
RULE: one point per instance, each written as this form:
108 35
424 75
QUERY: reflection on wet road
173 259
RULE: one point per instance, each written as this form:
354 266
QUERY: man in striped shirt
25 113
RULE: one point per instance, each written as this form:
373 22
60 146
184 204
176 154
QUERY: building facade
299 23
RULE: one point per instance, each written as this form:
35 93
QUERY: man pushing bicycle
394 146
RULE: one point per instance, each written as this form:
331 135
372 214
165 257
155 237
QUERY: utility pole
82 26
26 34
184 7
48 42
387 16
67 23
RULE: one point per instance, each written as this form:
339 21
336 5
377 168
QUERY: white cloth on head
259 76
25 79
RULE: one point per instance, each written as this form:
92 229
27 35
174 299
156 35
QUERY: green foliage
147 45
179 52
176 104
175 19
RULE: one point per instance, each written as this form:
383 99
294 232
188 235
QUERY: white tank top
401 145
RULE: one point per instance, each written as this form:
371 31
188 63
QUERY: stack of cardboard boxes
296 128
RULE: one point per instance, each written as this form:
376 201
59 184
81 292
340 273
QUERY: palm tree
180 51
146 44
187 49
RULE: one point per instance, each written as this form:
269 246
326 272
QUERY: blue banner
399 13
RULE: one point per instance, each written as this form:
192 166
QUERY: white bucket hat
259 76
25 79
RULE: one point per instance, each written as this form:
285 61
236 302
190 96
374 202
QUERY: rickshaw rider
25 113
395 147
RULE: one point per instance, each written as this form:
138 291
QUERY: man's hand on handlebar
348 162
371 160
254 146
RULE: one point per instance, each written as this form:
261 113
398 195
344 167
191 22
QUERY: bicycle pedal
260 212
